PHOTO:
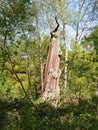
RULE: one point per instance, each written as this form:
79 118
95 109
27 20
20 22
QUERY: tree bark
51 88
66 57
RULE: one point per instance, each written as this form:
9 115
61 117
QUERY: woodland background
25 27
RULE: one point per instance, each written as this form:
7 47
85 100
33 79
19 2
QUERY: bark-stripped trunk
52 72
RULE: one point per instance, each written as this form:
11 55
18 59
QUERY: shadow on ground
19 114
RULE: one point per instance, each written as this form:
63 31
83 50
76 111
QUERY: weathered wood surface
52 71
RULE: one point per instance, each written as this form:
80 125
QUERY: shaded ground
18 114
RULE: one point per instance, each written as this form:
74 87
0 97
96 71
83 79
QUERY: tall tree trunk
39 44
29 75
51 88
66 57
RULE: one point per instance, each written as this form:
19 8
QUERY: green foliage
25 57
82 72
19 114
23 54
91 41
15 19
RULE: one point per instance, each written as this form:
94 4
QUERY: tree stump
51 88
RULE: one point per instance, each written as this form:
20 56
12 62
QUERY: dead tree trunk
51 88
